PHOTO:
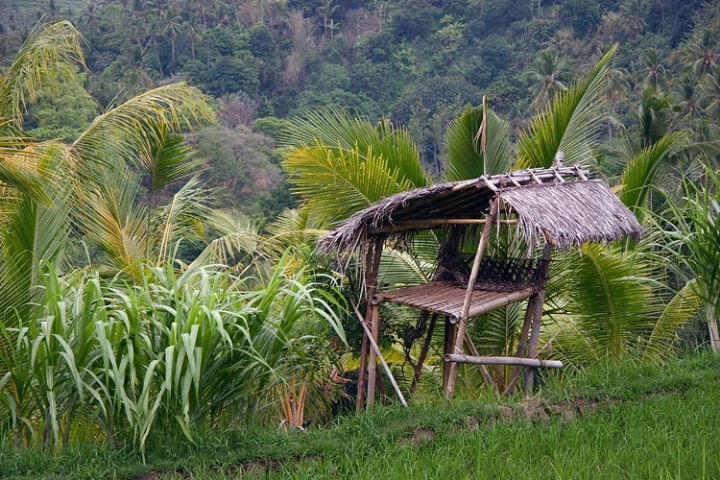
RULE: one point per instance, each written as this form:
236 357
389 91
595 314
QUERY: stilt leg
450 334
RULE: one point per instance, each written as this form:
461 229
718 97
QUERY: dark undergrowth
628 420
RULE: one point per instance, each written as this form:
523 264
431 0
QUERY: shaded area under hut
555 208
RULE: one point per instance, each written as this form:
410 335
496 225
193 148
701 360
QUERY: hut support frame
462 324
558 204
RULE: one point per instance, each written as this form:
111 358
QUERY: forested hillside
417 62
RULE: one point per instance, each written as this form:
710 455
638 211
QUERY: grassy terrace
627 421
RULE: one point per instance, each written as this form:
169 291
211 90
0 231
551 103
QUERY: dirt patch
421 436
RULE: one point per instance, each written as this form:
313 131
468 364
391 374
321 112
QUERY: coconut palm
699 53
711 94
544 74
632 20
341 165
652 71
571 125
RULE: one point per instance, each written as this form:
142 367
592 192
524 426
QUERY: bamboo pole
536 323
525 362
360 396
377 351
462 324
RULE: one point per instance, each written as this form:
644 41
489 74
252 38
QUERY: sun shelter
554 207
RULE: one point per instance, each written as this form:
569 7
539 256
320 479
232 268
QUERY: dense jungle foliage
416 62
157 273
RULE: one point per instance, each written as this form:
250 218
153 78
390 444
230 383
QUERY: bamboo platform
447 298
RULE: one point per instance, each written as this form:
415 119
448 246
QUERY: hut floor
447 298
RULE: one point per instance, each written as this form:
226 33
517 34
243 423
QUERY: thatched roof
568 210
571 213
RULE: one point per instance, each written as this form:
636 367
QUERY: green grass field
631 421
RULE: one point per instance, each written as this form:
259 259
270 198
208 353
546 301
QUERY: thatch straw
570 214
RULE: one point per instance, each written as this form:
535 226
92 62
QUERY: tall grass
110 361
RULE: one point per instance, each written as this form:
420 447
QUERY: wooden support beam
522 342
372 263
449 347
423 352
525 362
536 324
433 222
462 324
374 332
580 172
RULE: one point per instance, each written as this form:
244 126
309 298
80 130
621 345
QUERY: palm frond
135 128
472 152
21 167
50 53
679 311
611 300
638 178
113 220
239 236
32 234
181 218
170 160
337 183
571 124
338 130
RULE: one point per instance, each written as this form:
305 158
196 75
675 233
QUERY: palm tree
633 17
341 165
692 227
699 53
544 74
654 115
49 183
653 71
711 94
688 98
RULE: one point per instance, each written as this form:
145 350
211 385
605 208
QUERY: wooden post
373 316
450 332
360 396
372 262
536 323
462 324
372 362
522 342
